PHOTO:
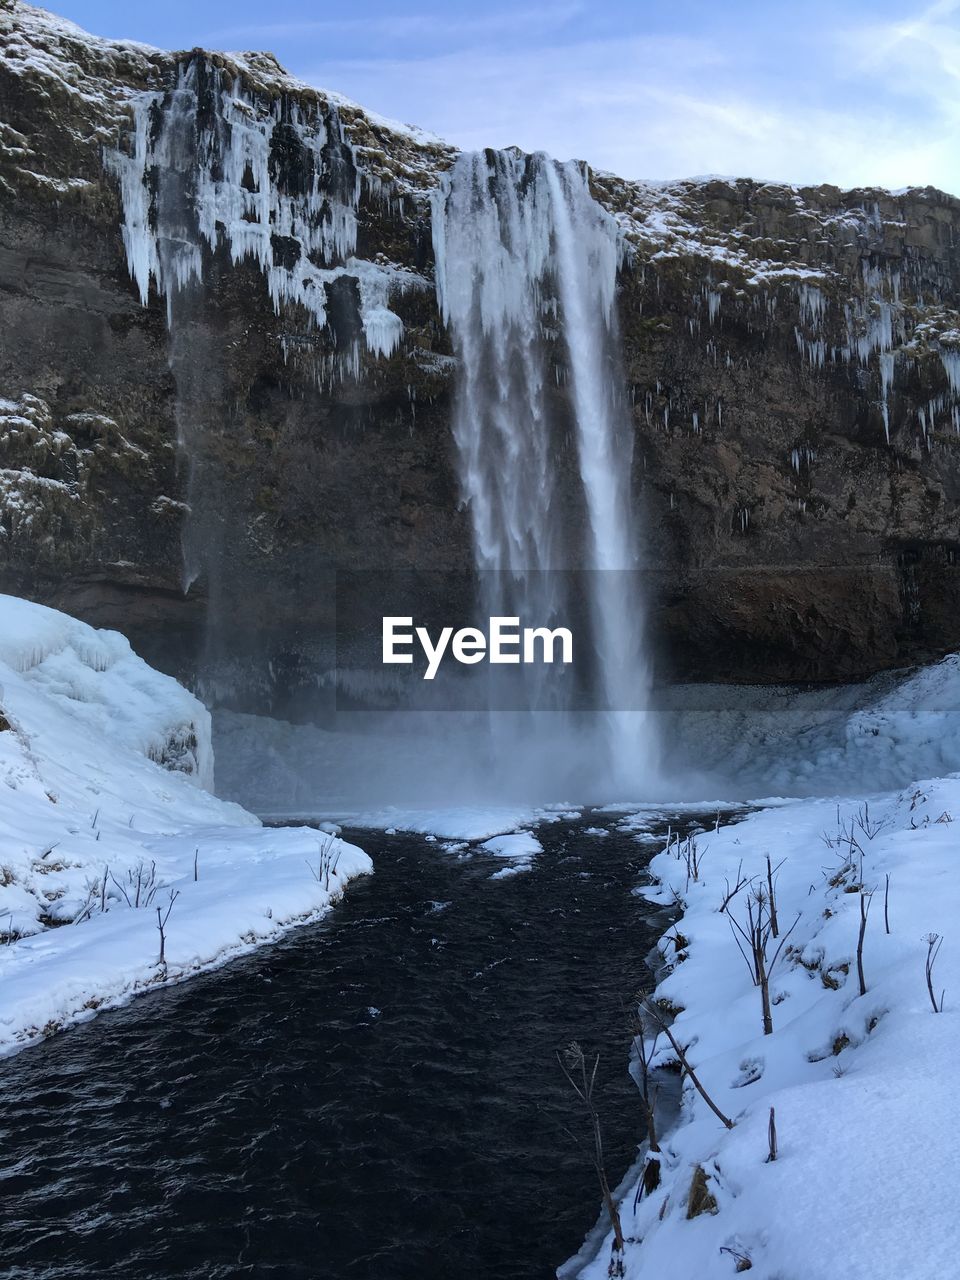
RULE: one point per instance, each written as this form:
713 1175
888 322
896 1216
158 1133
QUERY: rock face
794 360
223 369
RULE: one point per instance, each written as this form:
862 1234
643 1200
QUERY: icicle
274 182
813 306
950 359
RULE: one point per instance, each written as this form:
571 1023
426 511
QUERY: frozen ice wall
213 174
273 180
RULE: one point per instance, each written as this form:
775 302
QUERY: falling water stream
526 269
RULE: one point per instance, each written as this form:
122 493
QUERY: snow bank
850 739
103 818
105 689
861 1084
518 847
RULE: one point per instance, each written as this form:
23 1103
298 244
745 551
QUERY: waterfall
526 266
213 175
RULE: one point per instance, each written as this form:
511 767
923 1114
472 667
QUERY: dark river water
376 1097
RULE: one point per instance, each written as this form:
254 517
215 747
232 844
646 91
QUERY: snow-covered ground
861 1083
104 819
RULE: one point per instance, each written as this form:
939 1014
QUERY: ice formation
274 181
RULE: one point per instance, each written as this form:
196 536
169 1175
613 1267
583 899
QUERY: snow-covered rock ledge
862 1085
104 819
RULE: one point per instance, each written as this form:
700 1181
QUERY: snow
467 822
519 847
757 743
422 137
853 1079
103 763
95 679
870 330
516 868
100 74
517 844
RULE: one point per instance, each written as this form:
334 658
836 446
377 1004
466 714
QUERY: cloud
661 107
919 57
411 27
926 29
825 93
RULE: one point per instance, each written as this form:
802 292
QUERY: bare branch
573 1063
162 918
865 900
730 894
685 1064
886 902
934 942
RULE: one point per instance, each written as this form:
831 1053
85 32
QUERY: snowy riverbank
104 817
861 1083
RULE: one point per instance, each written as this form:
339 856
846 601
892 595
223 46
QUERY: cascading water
526 265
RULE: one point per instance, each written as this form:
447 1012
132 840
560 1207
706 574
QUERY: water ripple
376 1097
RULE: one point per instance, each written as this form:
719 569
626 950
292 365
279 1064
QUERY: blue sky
848 92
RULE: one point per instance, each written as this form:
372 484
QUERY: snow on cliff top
103 817
61 40
101 75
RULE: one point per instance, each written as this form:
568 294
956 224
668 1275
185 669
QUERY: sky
852 92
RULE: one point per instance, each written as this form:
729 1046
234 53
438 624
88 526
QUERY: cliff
223 368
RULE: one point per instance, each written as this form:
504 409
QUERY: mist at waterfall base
719 743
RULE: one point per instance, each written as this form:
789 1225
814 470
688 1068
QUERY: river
376 1096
